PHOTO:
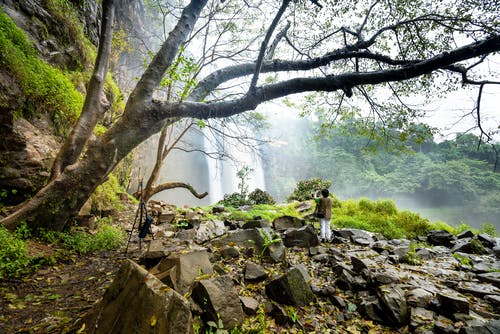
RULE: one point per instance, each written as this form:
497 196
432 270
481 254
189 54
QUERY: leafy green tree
346 49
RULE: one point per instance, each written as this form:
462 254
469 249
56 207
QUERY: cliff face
28 145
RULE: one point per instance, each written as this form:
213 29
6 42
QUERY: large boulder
291 288
180 270
137 302
440 238
393 300
285 222
304 237
452 302
209 230
219 299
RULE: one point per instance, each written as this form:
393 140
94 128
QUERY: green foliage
490 229
259 196
438 225
380 216
234 200
105 196
305 189
266 211
412 256
47 89
464 260
106 238
14 259
23 231
269 239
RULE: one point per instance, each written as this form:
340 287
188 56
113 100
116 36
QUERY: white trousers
325 232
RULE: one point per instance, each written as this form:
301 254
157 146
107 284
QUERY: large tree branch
263 47
153 75
92 108
328 83
173 185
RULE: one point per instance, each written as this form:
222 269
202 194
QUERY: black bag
320 215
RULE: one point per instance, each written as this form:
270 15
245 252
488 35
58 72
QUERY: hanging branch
263 46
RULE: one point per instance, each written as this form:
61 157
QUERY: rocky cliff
29 139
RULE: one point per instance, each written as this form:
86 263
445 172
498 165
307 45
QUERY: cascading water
222 173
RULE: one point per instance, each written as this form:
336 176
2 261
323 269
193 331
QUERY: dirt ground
52 299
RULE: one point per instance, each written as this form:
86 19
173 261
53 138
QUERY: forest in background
452 181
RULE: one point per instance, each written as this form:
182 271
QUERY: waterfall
222 173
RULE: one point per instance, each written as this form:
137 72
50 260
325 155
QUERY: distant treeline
452 180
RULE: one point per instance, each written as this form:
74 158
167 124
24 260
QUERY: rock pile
230 272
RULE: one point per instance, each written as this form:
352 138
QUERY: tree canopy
345 49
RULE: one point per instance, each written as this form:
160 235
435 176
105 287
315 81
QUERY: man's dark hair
325 192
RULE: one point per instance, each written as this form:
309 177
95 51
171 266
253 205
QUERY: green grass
380 216
266 211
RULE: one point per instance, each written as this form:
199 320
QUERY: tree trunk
92 108
67 191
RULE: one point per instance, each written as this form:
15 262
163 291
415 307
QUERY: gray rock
263 240
490 327
285 222
426 253
440 238
137 302
254 272
370 307
219 299
465 234
250 305
303 237
491 277
291 288
469 246
229 252
346 281
393 300
477 289
180 270
451 303
487 240
317 250
256 223
419 297
209 230
420 318
385 276
443 325
360 264
355 234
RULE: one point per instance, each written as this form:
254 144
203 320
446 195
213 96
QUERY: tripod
141 214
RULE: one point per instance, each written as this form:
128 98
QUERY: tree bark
171 185
92 108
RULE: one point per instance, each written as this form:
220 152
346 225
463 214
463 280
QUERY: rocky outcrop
137 302
360 276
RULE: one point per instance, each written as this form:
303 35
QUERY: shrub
106 238
234 200
489 229
259 196
106 195
306 188
14 258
